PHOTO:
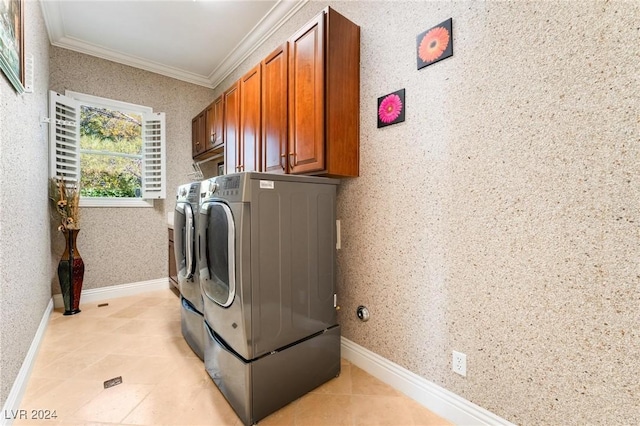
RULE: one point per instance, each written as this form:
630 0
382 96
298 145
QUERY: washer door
217 260
184 241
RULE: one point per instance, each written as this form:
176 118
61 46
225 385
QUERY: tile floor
164 383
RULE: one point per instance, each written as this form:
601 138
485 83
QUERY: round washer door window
217 276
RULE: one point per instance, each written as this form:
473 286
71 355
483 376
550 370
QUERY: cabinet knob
292 161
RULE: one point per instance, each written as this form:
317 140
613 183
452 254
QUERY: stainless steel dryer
185 221
267 272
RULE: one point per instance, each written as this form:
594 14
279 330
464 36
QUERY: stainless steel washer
184 235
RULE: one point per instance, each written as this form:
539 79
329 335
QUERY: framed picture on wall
391 108
12 42
434 44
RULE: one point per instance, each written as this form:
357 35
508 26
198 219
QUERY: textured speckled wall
24 211
126 245
501 218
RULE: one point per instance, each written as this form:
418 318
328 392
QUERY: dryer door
217 261
184 242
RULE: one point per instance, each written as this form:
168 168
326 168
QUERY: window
115 150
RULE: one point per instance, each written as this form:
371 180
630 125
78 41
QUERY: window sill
114 202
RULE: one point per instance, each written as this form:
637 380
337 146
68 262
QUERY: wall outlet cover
459 363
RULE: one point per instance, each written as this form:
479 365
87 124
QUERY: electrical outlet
459 364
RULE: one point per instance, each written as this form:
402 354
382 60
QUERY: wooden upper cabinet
207 131
297 111
232 128
324 97
215 126
274 111
250 133
198 132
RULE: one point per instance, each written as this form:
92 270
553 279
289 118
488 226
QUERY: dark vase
71 273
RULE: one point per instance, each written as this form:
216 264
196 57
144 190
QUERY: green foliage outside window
110 159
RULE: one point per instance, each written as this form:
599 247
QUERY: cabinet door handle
283 165
213 138
292 163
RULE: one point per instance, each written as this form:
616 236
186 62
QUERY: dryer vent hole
363 313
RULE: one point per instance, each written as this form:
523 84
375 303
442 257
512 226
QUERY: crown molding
279 14
130 60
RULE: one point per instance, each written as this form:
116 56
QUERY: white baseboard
12 404
437 399
113 292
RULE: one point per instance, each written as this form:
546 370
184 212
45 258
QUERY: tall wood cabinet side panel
250 134
231 128
274 111
343 95
306 98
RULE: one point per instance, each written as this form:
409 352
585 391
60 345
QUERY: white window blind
153 156
64 138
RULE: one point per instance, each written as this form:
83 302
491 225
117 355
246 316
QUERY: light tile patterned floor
164 383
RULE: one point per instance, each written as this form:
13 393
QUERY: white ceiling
196 41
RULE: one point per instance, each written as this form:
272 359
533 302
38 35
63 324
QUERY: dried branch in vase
66 197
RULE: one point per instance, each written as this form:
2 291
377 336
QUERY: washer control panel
227 187
189 192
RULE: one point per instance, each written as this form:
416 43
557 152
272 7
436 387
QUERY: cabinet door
231 128
218 122
197 134
194 137
306 98
250 121
210 136
202 133
274 111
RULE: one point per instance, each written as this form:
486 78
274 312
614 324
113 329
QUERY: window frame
97 101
